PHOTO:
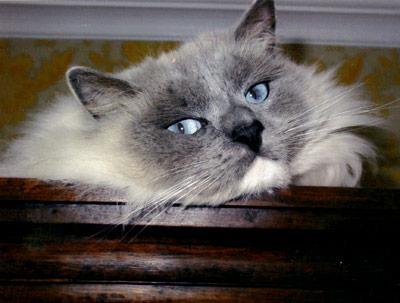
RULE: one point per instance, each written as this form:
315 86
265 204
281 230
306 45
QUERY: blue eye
185 127
258 93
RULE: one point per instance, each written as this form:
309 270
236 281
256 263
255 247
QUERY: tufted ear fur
258 21
99 93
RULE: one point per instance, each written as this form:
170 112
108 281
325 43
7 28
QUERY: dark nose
249 135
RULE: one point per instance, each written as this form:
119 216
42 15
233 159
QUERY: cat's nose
249 135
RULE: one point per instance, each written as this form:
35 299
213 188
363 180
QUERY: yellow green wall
32 72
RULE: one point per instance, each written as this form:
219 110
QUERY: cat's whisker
348 113
181 169
316 109
152 219
190 184
178 197
329 102
327 131
176 200
122 219
369 109
166 195
325 124
169 193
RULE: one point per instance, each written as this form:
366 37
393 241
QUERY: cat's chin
264 174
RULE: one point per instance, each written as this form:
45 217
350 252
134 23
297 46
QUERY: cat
224 116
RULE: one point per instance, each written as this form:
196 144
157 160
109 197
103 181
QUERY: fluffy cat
225 115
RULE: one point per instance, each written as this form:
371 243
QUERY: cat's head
220 117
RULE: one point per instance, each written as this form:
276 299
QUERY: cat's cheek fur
264 174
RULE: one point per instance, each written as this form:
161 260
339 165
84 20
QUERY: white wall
347 22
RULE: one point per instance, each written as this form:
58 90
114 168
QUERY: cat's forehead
214 64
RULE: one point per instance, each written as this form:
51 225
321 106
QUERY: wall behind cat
32 73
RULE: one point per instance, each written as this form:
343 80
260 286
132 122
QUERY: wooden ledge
296 208
305 196
303 244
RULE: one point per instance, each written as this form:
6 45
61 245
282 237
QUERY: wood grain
15 189
302 244
121 293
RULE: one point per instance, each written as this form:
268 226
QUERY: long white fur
333 158
264 174
56 146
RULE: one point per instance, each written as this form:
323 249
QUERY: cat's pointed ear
99 93
258 21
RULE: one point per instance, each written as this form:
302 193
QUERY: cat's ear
99 93
258 21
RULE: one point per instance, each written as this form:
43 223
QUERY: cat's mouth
267 153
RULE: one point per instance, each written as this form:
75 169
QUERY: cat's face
215 117
208 120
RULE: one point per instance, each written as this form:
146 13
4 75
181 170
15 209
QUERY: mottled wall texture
32 73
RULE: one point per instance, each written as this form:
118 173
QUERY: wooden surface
299 245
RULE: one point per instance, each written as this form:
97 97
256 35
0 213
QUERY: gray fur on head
118 135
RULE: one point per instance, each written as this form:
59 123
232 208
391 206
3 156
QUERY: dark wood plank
89 260
16 189
222 217
121 293
33 201
303 244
